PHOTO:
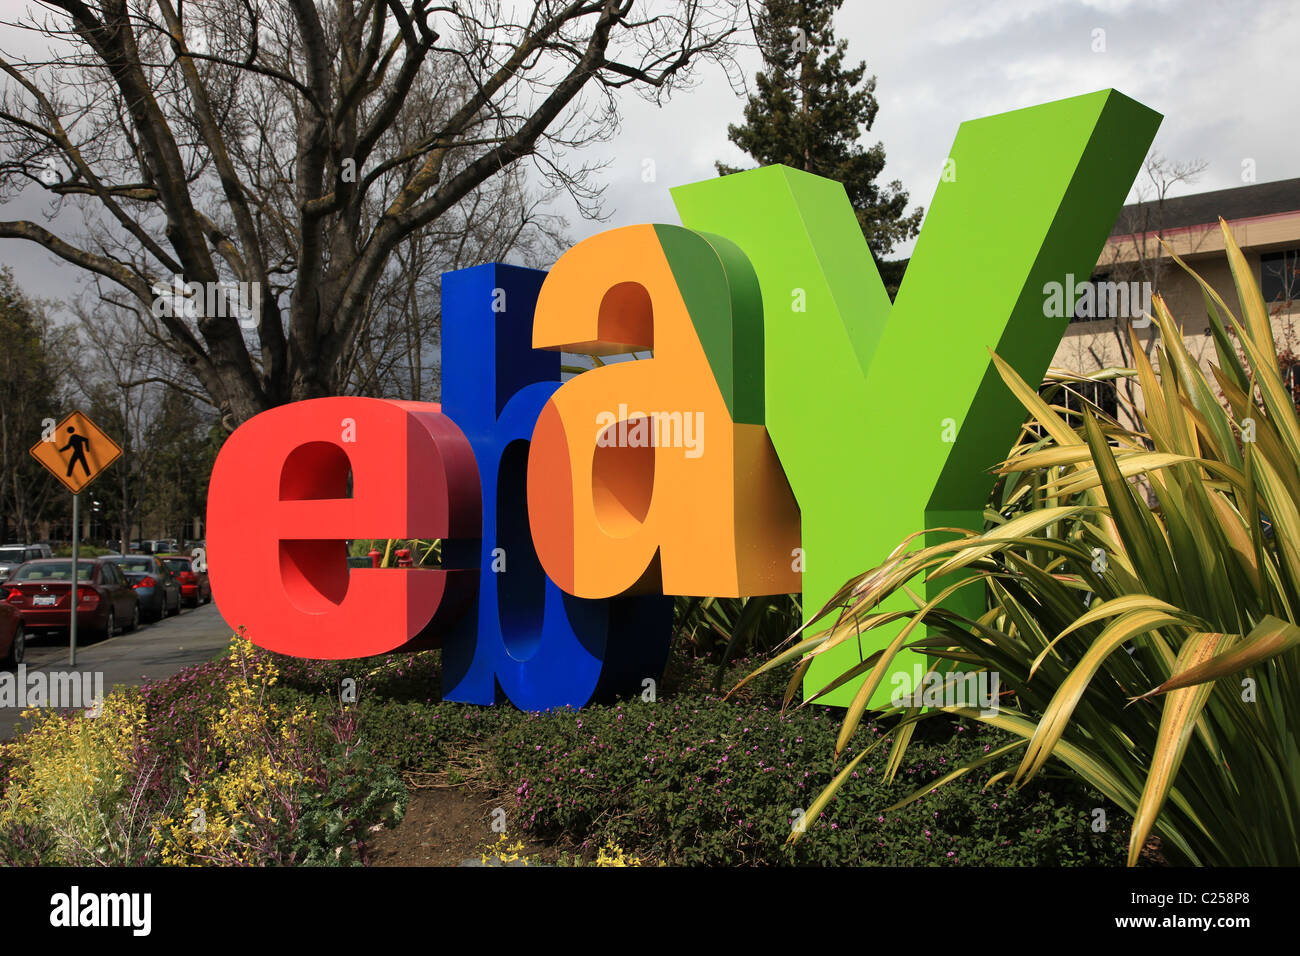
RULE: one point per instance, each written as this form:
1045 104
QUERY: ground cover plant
255 759
699 781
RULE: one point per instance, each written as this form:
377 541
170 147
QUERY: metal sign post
79 462
76 595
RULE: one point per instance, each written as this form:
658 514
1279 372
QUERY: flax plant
1143 585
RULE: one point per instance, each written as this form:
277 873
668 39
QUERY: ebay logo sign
790 428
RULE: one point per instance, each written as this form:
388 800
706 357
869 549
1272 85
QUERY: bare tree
275 146
397 353
1140 257
125 375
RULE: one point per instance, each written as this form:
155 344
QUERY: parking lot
153 651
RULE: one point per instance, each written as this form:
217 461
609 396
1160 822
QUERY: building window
1279 276
1106 298
1078 300
1073 397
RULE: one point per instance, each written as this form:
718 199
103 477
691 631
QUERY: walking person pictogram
78 444
83 436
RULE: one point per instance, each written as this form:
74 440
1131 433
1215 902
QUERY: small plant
503 853
611 854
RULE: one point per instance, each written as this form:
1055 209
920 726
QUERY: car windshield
52 571
134 564
177 564
11 555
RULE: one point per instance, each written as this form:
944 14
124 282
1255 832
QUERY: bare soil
447 824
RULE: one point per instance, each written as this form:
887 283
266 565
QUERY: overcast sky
1223 72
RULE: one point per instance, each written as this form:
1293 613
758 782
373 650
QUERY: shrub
260 788
70 795
723 629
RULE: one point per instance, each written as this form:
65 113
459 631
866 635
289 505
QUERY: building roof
1240 202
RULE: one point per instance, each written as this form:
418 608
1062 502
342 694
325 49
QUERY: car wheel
18 648
208 599
135 619
110 626
177 609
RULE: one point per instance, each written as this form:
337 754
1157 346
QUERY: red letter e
279 517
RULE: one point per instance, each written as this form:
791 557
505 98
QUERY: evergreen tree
810 112
35 356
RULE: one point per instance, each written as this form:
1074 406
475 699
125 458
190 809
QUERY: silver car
12 555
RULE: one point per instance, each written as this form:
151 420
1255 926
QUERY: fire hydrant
404 558
375 555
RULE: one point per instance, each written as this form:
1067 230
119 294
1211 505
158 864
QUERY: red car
195 589
41 591
12 637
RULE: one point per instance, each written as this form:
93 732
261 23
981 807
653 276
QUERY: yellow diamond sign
75 451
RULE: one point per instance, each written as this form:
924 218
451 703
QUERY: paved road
154 651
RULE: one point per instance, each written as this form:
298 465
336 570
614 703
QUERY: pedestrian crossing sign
75 451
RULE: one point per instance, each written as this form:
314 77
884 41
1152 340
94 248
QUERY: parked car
12 555
150 546
13 638
42 593
158 589
194 584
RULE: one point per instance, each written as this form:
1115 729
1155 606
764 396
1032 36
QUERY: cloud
1221 73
